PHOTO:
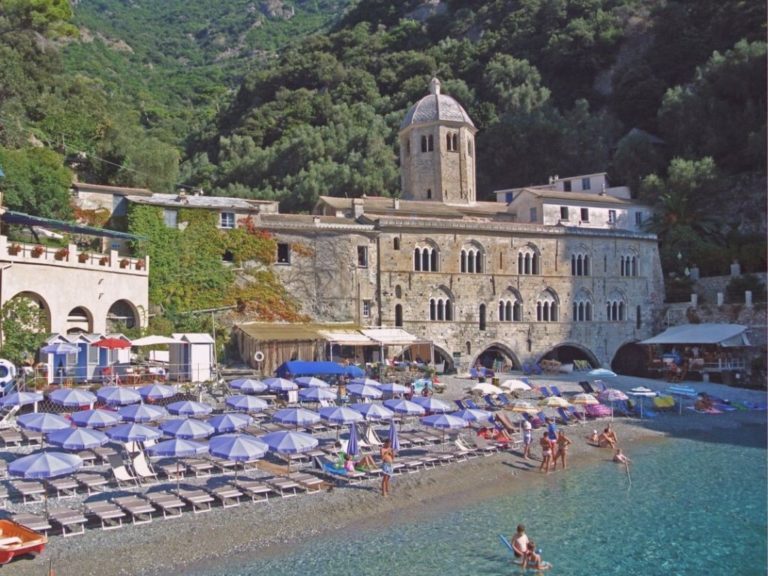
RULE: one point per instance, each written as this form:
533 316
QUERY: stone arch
442 355
496 349
79 319
567 352
631 358
121 315
37 299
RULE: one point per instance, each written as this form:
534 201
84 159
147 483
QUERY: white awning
721 334
154 341
391 336
346 337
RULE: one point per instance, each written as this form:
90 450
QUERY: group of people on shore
554 446
608 439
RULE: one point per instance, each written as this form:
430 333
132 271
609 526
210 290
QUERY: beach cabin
193 358
76 358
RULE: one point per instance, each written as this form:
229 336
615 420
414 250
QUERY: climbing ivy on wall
186 270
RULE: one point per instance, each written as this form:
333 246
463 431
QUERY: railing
71 256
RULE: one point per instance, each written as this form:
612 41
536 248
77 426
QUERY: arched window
429 193
432 309
425 259
417 259
398 315
547 307
448 145
615 308
455 139
528 261
440 307
463 261
510 307
580 264
430 143
629 265
398 291
582 307
471 259
482 316
639 317
423 143
396 243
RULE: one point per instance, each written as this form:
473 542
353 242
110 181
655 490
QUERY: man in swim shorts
520 541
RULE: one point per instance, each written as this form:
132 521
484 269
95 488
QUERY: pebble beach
194 541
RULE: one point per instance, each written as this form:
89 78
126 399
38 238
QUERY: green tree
24 327
636 157
36 182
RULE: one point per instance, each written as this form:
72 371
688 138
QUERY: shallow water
694 505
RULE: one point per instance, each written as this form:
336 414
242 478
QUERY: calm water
696 506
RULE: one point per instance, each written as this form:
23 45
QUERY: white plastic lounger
92 481
285 487
139 509
200 500
202 468
255 489
312 484
143 470
169 504
110 515
71 522
29 490
64 487
228 496
33 522
120 472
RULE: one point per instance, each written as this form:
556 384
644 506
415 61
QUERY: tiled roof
191 201
576 196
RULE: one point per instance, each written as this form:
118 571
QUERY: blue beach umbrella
353 449
289 442
187 428
118 396
96 418
133 432
393 438
177 448
237 448
394 388
60 348
364 390
405 407
142 413
473 415
189 408
316 394
296 416
229 422
433 405
71 397
20 399
248 385
280 385
42 422
77 438
157 391
366 382
372 411
444 422
246 403
311 382
340 415
45 464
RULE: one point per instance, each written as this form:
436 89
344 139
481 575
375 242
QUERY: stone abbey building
562 271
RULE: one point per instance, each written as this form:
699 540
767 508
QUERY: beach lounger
138 509
544 391
576 415
169 504
200 500
472 405
257 490
286 487
335 473
31 437
35 522
71 522
461 405
565 417
312 484
11 437
120 472
600 385
463 450
556 391
88 457
104 452
664 403
587 387
108 514
29 490
484 447
223 464
491 403
503 399
143 470
227 495
64 487
200 467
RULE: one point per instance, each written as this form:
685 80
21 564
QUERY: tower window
429 193
408 148
362 256
430 143
423 143
396 243
283 253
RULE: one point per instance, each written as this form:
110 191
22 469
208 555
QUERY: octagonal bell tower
437 150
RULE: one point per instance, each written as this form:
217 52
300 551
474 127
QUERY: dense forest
264 100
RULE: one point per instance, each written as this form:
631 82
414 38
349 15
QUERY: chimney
396 203
358 207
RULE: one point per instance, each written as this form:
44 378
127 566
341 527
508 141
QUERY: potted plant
61 254
124 263
103 261
37 251
83 257
140 265
14 249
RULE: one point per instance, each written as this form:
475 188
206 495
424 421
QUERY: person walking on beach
387 458
546 453
562 448
552 435
527 439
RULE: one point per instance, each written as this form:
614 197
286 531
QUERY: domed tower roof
435 107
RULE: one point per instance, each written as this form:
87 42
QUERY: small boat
17 540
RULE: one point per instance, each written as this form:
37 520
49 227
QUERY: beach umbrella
45 465
296 416
177 448
433 405
60 348
486 388
118 396
683 392
112 343
394 441
473 415
71 397
353 447
246 403
340 415
405 407
365 382
229 422
157 391
612 395
280 385
444 422
316 394
289 442
394 388
77 438
42 422
601 373
642 392
189 408
187 428
523 407
96 418
513 385
237 448
554 402
311 382
133 432
372 411
364 390
21 399
584 399
142 413
248 385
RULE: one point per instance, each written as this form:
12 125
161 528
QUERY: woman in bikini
387 458
562 448
546 453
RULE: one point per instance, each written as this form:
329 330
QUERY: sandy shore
254 530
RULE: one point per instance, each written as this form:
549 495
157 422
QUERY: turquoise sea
695 505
